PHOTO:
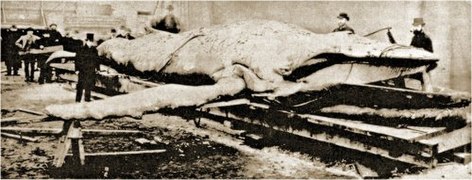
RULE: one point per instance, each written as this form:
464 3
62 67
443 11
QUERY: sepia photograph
176 89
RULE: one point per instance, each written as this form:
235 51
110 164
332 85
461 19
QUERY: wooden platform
296 114
410 144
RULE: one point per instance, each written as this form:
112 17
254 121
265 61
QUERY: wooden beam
125 153
33 130
19 137
463 158
31 112
110 131
59 130
10 119
18 120
451 140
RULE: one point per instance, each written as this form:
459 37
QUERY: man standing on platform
86 65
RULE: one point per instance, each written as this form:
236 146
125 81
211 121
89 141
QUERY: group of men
420 39
18 47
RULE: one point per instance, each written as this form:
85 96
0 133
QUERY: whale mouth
326 60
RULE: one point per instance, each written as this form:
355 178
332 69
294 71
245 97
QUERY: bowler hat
53 24
29 29
343 15
89 36
418 21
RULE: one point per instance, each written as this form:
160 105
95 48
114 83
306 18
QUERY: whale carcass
268 58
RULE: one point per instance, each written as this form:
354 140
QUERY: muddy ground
191 152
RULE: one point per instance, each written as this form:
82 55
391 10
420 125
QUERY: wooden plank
19 120
225 103
142 82
365 172
19 137
110 132
33 130
463 158
59 130
364 128
63 66
451 140
10 119
125 153
30 111
429 131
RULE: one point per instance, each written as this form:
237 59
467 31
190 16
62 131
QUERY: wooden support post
19 137
76 140
64 145
426 82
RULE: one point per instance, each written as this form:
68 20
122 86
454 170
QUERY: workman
26 43
343 18
86 65
12 58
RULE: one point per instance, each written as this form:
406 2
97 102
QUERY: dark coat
54 38
87 60
421 40
344 28
72 45
172 27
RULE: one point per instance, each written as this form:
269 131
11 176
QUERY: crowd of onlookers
33 48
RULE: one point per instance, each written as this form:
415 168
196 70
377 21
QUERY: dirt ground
191 152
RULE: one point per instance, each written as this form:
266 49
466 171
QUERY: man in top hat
343 18
86 64
10 50
420 39
26 43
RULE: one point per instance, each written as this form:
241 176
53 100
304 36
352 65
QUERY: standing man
55 36
420 39
86 64
343 18
12 62
26 43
